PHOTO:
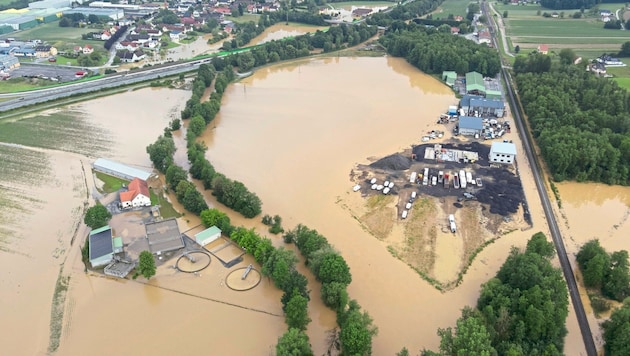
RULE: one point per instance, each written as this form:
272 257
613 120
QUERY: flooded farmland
292 133
281 30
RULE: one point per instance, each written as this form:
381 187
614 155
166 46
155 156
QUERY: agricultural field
245 18
621 74
586 36
18 84
51 32
454 7
58 131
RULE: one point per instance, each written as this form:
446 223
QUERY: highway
18 100
556 236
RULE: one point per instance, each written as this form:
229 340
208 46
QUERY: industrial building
164 236
113 13
475 84
502 152
470 126
120 170
487 106
8 62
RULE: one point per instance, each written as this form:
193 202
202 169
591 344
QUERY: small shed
493 94
470 125
101 246
208 235
502 152
118 244
449 77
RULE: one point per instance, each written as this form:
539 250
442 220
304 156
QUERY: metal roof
487 103
470 122
101 242
207 233
465 100
164 236
503 147
107 165
474 81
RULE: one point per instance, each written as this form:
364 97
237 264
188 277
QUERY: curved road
556 236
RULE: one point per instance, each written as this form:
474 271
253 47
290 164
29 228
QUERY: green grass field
245 18
111 183
15 85
623 82
166 208
51 32
561 28
454 7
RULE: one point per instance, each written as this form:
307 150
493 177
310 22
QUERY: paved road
556 236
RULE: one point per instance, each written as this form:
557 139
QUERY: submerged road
556 236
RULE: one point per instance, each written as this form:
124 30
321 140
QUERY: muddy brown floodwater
281 30
293 132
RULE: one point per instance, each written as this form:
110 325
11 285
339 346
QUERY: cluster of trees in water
581 122
521 311
434 52
607 273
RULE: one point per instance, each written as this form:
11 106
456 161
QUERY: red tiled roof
136 186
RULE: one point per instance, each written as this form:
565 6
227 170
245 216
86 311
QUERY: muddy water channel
293 133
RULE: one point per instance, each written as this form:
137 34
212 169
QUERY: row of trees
232 194
406 12
279 264
608 273
522 311
115 36
331 269
568 4
434 52
581 122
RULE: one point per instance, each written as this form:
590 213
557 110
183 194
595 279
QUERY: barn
470 125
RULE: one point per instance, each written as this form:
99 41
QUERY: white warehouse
502 152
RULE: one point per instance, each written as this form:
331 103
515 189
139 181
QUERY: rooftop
209 232
164 236
474 81
503 147
470 122
101 242
487 103
107 165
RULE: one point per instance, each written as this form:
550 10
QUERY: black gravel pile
504 193
395 162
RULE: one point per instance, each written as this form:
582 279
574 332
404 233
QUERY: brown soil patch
380 215
418 248
473 229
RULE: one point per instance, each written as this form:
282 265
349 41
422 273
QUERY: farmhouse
487 106
543 49
474 83
164 236
101 247
137 194
208 235
484 37
119 170
502 152
470 125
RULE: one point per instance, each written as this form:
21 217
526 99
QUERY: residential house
140 38
137 194
23 52
222 10
502 152
88 49
126 46
458 18
543 49
154 33
208 235
101 247
175 35
470 125
78 50
555 15
484 37
106 35
360 13
44 51
455 30
597 68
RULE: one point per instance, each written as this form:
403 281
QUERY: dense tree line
115 36
15 4
568 4
581 122
522 311
617 331
405 12
279 264
331 269
434 52
609 273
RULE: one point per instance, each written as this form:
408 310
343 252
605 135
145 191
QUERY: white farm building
502 152
119 170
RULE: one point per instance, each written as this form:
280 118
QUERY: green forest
521 311
433 51
581 122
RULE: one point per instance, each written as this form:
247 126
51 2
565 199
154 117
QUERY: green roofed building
208 235
493 94
101 250
449 77
474 83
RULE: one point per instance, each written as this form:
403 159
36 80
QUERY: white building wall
501 157
141 200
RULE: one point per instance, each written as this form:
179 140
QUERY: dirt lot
423 239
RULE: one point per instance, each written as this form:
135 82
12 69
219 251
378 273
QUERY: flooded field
293 133
280 31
